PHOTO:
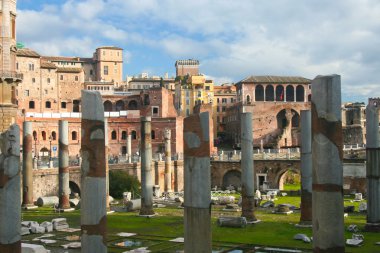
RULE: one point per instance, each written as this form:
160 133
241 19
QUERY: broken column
27 166
247 173
197 180
129 148
93 169
63 156
306 171
373 167
168 161
327 168
10 191
146 168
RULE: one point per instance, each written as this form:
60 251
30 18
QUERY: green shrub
121 181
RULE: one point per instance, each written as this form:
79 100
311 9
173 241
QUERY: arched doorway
269 93
120 105
300 93
259 93
289 93
107 106
232 177
289 180
74 188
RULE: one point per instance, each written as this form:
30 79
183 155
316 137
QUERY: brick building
224 97
275 102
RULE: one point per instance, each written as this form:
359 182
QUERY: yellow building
191 91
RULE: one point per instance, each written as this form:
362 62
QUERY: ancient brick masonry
373 167
247 176
10 191
306 169
64 177
93 202
327 146
197 220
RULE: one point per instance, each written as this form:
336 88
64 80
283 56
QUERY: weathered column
373 167
306 171
327 146
129 148
27 166
197 220
106 142
93 201
247 172
146 168
168 161
64 176
10 191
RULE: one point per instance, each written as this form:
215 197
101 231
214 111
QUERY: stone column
129 148
64 176
27 166
168 161
247 172
146 168
106 141
373 167
327 168
10 191
93 169
306 169
197 220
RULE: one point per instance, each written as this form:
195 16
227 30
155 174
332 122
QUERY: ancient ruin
168 161
64 190
27 166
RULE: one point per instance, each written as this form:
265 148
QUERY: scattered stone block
74 202
224 200
37 229
267 204
302 237
358 197
352 228
72 245
32 248
179 199
233 222
178 239
25 231
354 242
133 205
48 226
47 201
122 234
363 207
48 241
59 224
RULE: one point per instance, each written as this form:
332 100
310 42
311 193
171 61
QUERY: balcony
16 76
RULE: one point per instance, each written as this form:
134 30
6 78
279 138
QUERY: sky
232 39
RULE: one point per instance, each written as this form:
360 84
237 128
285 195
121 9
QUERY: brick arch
232 177
281 173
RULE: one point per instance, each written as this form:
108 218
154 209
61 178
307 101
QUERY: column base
372 227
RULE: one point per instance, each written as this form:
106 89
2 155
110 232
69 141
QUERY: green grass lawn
292 187
274 230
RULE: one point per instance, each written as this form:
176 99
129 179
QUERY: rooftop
69 70
62 58
26 52
48 65
275 79
110 47
187 62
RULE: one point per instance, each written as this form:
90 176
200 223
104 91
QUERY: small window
43 135
31 67
113 135
33 80
31 104
17 65
155 110
63 105
26 93
61 77
76 78
74 136
153 135
105 71
34 135
134 135
48 80
91 72
124 135
47 104
46 91
207 87
54 136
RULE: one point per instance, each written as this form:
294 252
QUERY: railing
265 154
354 147
11 74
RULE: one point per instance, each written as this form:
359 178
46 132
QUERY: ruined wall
353 135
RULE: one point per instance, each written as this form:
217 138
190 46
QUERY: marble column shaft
63 156
197 183
10 191
306 169
27 165
93 169
146 168
129 148
247 171
373 167
168 161
327 167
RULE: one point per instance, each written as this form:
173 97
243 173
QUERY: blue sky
232 38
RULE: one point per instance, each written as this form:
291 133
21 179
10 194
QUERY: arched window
289 93
259 93
107 106
280 93
124 135
134 135
309 97
34 135
43 133
54 135
113 135
269 93
153 135
295 119
123 150
47 104
31 104
74 135
132 105
76 104
119 105
248 99
300 93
